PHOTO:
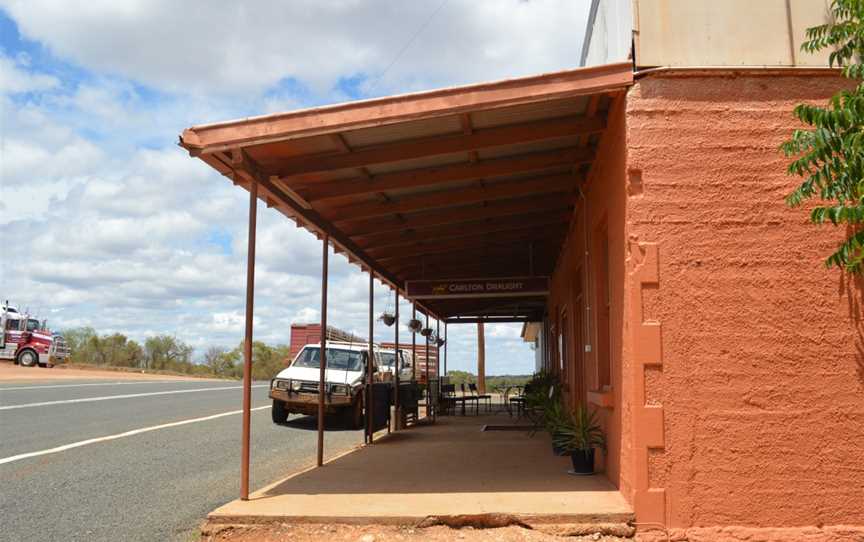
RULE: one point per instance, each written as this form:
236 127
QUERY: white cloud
226 46
106 223
15 76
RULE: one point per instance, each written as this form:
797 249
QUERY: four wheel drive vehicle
388 362
28 341
295 389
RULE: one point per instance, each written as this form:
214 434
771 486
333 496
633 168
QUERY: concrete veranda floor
451 468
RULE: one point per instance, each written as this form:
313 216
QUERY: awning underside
469 182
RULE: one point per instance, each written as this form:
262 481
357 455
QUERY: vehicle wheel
356 415
279 413
28 358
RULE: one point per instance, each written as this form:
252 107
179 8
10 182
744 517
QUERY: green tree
830 154
166 352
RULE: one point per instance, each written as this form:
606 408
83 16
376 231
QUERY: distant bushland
166 353
496 383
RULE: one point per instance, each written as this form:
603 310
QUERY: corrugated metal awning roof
474 181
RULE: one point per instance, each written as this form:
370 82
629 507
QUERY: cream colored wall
685 33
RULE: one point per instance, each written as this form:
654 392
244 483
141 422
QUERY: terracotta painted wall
605 194
760 385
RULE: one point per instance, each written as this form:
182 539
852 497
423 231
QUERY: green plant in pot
580 436
555 418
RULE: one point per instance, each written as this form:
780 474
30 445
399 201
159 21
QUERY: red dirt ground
15 373
381 533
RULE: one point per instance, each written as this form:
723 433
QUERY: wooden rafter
561 183
487 239
335 192
222 136
497 209
466 253
465 229
439 145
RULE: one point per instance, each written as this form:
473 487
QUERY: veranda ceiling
474 181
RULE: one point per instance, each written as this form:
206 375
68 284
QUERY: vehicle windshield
388 359
343 360
32 325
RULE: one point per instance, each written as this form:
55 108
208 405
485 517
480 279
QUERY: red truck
29 342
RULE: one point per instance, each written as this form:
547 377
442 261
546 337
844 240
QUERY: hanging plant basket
388 318
440 342
415 325
426 331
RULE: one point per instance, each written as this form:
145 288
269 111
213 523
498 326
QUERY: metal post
323 354
428 387
445 348
396 369
369 364
413 345
247 342
437 364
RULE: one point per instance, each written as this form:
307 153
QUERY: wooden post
481 359
247 342
323 354
369 361
397 408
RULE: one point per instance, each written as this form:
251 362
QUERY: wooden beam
335 192
562 183
475 251
464 229
221 136
496 209
434 246
491 320
440 145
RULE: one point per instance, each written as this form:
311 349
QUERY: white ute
295 389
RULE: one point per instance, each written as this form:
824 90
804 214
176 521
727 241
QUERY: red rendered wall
604 203
760 389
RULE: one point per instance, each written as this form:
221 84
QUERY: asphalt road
150 485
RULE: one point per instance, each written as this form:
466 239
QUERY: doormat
507 428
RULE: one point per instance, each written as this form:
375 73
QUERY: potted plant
579 436
426 331
388 318
415 325
555 418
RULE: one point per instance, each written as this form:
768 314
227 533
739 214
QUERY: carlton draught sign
462 288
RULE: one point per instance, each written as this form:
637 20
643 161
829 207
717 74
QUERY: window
12 324
345 360
602 304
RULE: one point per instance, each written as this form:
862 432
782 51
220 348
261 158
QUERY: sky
106 222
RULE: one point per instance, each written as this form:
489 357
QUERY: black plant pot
583 461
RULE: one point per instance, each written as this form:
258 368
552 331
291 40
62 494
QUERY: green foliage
167 353
830 154
580 431
497 383
115 350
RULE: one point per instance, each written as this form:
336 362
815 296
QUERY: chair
536 415
466 397
481 396
448 398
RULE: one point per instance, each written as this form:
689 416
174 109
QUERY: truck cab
295 389
27 341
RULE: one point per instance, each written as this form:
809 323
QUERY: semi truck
27 341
